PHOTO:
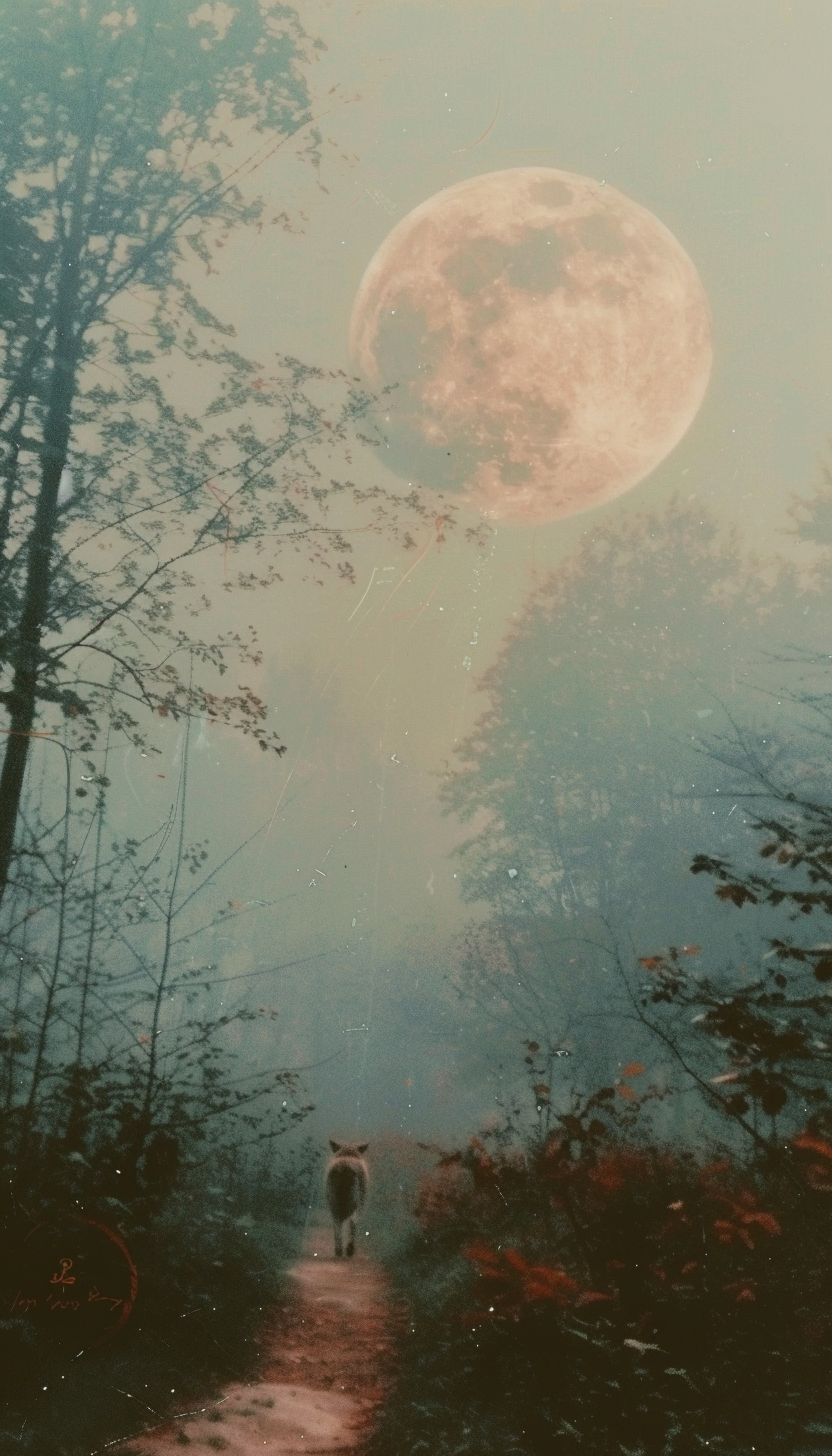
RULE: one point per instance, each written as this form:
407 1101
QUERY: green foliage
128 138
759 1045
759 1039
116 1033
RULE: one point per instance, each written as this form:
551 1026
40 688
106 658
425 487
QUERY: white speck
512 874
65 490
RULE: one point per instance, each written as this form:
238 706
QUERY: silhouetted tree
589 774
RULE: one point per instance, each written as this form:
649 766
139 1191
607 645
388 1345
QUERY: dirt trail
327 1365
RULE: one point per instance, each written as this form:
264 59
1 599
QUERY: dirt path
328 1364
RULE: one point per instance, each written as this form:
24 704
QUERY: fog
625 686
709 116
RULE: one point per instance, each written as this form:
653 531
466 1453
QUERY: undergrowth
591 1290
211 1259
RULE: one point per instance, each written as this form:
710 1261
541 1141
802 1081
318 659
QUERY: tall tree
588 770
127 133
758 1042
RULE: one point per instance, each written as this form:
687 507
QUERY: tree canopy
590 775
127 136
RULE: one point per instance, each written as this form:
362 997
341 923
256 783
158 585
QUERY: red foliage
813 1143
640 1248
817 1175
615 1170
510 1282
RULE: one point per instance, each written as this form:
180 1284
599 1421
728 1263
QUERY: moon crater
547 340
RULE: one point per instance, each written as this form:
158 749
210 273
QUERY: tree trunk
22 699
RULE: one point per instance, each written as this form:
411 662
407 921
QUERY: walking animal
347 1177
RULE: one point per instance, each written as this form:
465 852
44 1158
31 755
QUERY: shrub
595 1291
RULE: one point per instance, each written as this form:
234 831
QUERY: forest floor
327 1364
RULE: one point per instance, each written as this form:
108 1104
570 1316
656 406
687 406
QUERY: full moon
547 340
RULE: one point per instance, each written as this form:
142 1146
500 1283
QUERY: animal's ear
362 1147
336 1147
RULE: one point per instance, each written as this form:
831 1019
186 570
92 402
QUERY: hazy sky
714 115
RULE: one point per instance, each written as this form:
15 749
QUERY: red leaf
516 1260
545 1282
486 1260
765 1220
633 1069
814 1144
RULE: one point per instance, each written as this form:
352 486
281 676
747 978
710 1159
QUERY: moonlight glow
549 341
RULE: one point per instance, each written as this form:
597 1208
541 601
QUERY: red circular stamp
74 1279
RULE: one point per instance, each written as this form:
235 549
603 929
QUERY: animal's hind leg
351 1244
339 1247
